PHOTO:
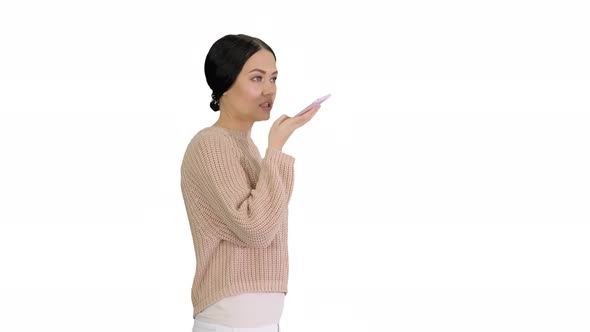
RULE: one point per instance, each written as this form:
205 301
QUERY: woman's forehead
262 60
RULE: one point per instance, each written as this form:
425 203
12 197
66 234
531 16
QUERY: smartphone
315 103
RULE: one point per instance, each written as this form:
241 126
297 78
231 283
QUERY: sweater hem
237 289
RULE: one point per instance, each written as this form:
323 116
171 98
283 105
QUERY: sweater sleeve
246 216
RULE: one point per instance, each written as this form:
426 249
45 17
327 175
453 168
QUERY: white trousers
208 327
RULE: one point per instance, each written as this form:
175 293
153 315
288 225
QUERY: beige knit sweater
236 204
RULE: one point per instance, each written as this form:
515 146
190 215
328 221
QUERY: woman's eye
257 78
274 79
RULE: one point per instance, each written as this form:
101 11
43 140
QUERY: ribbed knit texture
237 206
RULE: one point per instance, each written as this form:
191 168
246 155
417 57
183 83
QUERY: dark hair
225 60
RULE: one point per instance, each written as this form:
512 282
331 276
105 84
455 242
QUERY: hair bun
214 105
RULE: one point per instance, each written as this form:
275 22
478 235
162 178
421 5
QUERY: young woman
236 201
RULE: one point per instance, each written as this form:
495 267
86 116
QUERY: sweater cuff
276 155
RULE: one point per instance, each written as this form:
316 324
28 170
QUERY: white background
443 187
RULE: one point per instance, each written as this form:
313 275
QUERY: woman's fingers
285 125
304 118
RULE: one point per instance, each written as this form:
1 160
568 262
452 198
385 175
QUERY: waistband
222 328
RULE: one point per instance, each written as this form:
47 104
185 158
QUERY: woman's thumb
281 119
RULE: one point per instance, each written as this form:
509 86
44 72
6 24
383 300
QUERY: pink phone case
316 102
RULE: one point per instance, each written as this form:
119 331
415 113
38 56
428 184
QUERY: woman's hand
285 125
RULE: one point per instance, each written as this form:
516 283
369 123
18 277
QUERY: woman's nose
269 88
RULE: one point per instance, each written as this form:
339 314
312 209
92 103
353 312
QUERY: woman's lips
266 106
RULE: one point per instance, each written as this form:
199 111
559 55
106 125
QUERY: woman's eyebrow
262 71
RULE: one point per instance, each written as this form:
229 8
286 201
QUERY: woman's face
252 95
